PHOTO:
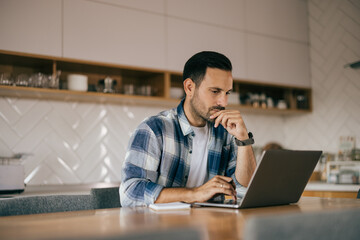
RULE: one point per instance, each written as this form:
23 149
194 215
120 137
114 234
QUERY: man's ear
189 87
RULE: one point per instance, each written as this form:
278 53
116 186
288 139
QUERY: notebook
170 206
280 178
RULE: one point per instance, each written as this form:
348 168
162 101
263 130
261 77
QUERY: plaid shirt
159 155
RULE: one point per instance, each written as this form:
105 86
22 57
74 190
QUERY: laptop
279 179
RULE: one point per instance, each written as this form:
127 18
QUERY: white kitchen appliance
11 174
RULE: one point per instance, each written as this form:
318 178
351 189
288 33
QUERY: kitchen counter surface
324 186
71 189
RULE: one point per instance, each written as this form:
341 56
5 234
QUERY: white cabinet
31 26
280 18
277 61
229 13
101 32
187 38
156 6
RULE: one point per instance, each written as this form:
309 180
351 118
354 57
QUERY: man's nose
222 100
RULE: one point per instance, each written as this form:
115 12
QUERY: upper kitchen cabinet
277 61
102 32
185 38
155 6
31 26
229 14
278 18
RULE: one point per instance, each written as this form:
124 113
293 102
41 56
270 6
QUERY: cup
281 104
22 80
6 79
54 80
144 90
38 80
270 102
129 89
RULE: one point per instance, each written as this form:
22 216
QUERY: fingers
232 121
224 185
227 118
227 179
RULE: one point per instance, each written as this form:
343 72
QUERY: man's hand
232 121
217 185
234 124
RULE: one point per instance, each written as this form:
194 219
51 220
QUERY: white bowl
77 82
176 92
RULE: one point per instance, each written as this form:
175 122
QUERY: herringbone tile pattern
75 142
71 142
334 41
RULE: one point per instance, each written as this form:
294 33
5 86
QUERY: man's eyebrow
220 89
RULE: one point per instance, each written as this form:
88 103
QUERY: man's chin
210 120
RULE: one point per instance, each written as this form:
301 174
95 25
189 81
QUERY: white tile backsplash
33 138
32 118
76 142
6 107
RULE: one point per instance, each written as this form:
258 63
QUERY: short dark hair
195 67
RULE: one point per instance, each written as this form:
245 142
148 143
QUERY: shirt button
193 134
186 176
190 151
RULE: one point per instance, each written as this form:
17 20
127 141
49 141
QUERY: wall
75 142
334 42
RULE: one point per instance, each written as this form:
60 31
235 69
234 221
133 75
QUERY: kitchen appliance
11 174
343 172
106 85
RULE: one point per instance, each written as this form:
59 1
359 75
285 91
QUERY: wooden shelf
95 97
66 95
160 82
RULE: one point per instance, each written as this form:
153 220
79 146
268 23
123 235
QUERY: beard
199 109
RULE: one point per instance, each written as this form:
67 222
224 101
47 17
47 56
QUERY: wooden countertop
215 223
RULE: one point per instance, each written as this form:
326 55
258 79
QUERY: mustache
220 108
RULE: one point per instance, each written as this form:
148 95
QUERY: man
196 151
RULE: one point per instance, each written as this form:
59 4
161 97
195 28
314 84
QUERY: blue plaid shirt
159 155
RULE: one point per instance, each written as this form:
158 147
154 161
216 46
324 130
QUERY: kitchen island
330 190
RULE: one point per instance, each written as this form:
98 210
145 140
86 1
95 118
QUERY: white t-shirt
198 165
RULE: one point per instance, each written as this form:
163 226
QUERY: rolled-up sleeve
139 174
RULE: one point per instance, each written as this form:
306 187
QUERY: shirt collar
183 121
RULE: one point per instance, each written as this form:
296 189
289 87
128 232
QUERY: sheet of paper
170 206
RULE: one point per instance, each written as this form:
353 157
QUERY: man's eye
215 91
228 93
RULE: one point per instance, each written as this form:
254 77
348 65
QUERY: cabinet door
155 6
229 14
31 26
109 33
187 38
278 61
280 18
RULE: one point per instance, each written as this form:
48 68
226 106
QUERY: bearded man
195 152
